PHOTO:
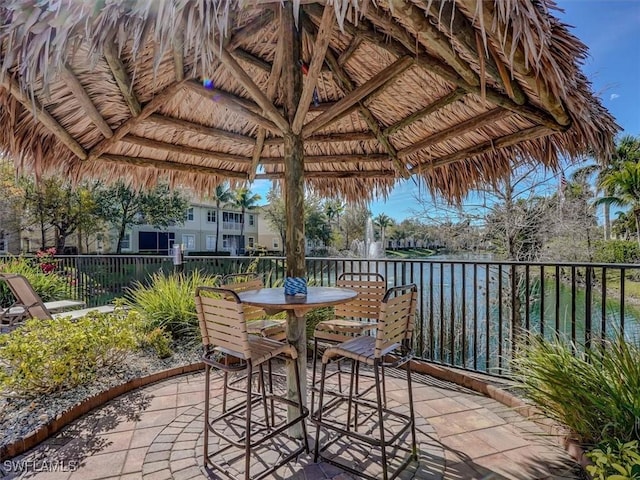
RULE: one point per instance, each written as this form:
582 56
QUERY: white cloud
613 96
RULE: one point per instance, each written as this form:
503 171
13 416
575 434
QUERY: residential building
269 239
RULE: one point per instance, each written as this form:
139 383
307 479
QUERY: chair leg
224 386
316 449
384 387
313 374
350 401
301 407
270 370
414 447
355 405
207 396
263 390
247 433
383 446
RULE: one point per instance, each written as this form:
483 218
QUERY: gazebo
344 97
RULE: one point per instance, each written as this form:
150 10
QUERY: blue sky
611 30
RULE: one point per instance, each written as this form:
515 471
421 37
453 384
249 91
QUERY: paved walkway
155 433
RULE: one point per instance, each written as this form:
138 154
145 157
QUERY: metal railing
469 311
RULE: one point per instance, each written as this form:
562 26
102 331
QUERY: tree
61 205
624 184
11 202
274 211
122 206
221 195
383 222
354 223
244 200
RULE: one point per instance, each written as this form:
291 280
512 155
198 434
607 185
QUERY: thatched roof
454 92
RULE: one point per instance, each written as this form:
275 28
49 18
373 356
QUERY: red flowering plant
46 259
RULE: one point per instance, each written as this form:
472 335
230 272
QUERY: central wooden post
294 196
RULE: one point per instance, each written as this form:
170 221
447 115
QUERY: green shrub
615 461
159 341
617 251
168 302
594 393
50 286
45 356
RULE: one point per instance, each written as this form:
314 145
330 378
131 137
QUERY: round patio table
273 300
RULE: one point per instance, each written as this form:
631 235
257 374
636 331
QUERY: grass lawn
410 253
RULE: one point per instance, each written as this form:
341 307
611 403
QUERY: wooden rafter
236 104
258 22
461 128
158 101
85 102
200 129
121 77
333 174
249 85
358 94
460 28
171 165
319 51
350 50
449 98
272 85
520 63
251 59
329 138
45 118
185 150
338 159
492 145
398 42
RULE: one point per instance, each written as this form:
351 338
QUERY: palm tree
624 184
222 195
383 222
244 200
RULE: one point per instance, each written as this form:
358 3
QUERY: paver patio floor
156 433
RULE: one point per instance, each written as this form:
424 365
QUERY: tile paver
155 433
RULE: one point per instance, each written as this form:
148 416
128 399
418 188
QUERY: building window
231 217
126 242
189 242
211 242
3 242
211 216
276 244
250 242
189 215
225 241
251 220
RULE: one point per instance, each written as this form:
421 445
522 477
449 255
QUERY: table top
274 298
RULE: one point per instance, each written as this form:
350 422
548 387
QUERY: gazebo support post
294 199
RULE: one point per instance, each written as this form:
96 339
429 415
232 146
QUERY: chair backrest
241 282
26 296
222 322
397 319
371 288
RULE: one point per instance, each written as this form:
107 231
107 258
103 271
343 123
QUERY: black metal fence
469 311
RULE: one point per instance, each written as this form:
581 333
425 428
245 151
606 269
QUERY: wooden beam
255 25
329 138
350 50
459 27
245 80
455 130
236 104
398 42
358 94
495 144
185 150
272 85
519 61
121 77
339 159
171 165
85 102
178 53
45 118
319 51
386 174
251 59
449 98
179 124
158 101
417 19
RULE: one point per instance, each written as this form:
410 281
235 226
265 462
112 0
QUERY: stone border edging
45 431
525 409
